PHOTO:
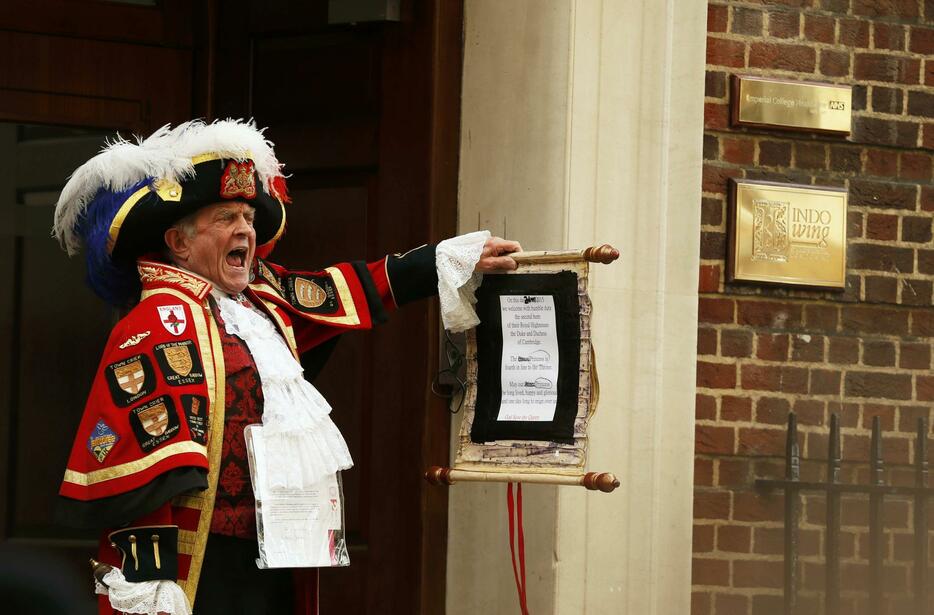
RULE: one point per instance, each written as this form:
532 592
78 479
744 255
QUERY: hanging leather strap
515 519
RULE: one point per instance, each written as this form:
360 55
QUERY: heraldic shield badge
154 419
179 359
312 294
154 422
173 318
130 379
179 362
309 294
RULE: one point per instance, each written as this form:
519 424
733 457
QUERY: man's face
222 247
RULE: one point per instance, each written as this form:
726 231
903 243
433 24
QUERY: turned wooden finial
99 570
605 254
436 475
600 481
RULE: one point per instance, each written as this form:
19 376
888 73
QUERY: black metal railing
877 490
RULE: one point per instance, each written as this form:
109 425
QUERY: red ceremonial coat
147 453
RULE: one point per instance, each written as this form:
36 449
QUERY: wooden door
366 119
71 74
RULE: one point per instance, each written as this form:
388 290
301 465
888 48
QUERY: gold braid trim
149 274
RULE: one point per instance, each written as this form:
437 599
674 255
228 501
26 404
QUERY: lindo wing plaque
788 234
792 105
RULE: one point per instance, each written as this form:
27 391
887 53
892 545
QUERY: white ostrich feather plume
166 154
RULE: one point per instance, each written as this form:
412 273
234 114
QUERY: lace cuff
455 260
145 598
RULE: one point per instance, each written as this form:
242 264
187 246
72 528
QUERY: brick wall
863 352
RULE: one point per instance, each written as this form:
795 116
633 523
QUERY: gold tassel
155 550
133 552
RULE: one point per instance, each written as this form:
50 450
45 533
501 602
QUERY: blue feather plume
117 283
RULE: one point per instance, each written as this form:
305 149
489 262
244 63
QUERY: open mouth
236 257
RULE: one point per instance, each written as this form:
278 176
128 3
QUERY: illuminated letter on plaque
788 234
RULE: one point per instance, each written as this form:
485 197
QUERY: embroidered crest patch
238 180
154 422
173 318
133 340
309 294
130 379
268 275
101 440
179 362
315 295
196 413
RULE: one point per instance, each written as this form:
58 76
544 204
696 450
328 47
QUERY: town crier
172 228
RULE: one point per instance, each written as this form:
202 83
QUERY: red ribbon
515 518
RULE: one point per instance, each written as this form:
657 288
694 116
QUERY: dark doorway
366 118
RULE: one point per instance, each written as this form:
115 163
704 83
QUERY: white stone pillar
582 124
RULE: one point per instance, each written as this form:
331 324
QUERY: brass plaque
792 105
788 234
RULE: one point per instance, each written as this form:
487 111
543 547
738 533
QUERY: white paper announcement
295 527
529 372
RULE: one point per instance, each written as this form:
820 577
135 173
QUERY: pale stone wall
582 124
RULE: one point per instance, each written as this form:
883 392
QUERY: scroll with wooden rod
531 382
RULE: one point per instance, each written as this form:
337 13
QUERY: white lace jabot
303 443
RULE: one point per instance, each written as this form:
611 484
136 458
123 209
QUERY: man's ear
177 243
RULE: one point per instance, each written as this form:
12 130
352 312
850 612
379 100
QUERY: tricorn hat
118 205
